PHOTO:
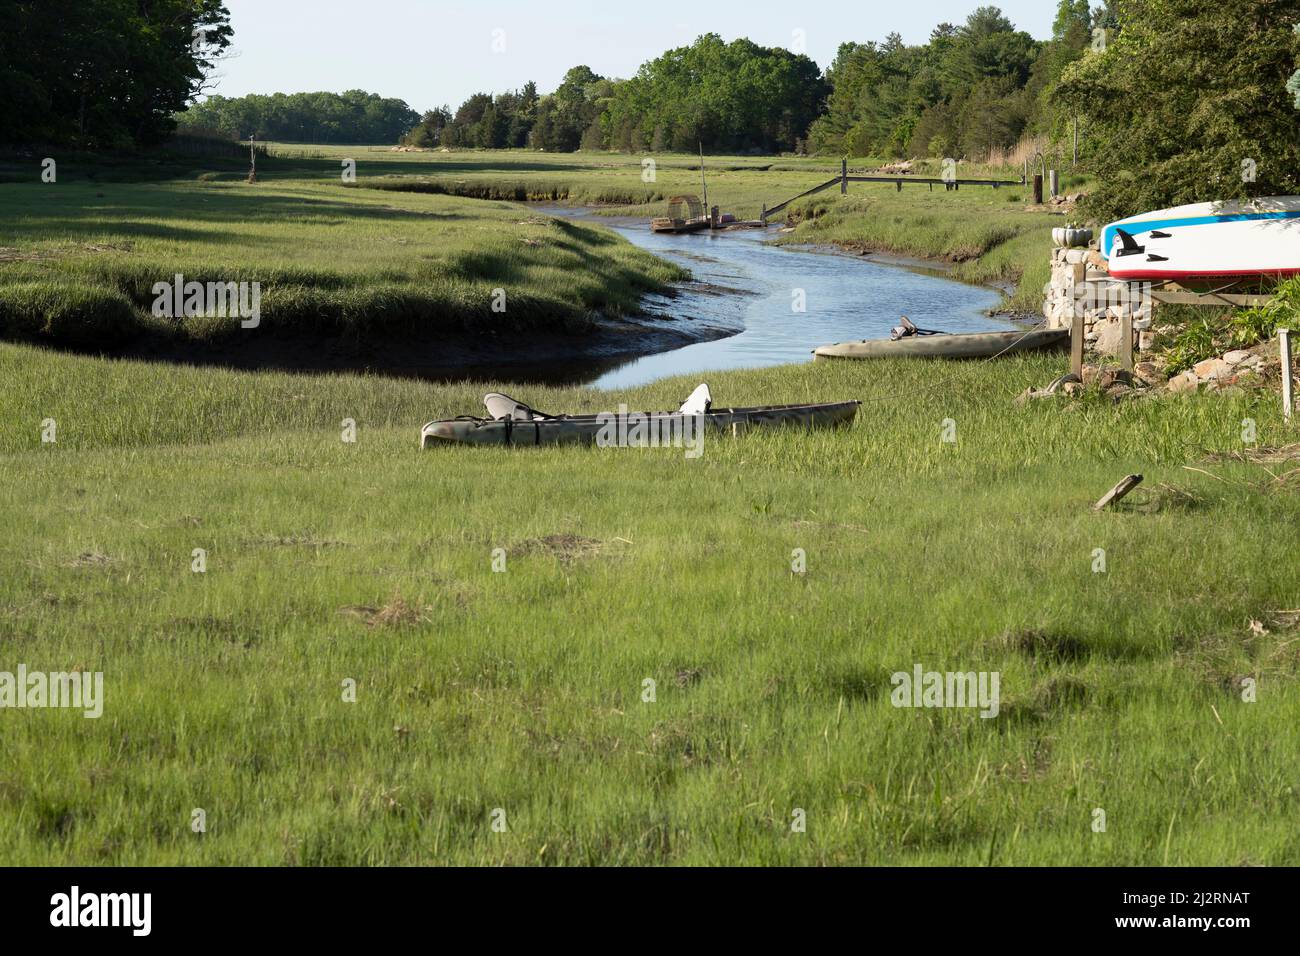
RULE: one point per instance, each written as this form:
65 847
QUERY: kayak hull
1257 238
588 429
679 225
974 345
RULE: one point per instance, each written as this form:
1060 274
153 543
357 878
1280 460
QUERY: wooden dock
843 180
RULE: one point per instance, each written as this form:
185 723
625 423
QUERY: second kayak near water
972 345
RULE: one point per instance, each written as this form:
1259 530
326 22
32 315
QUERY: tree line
351 117
104 73
1177 99
735 96
971 89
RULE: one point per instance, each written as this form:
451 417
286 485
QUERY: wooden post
1125 485
844 177
1126 338
899 184
1284 345
1076 345
1054 183
1038 189
763 215
704 182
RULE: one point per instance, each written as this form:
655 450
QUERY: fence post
844 177
1038 189
1284 346
1126 337
1076 343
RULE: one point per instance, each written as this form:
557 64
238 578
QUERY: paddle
908 329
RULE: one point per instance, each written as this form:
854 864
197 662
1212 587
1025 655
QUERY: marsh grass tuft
397 612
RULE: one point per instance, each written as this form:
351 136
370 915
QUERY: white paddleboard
1218 240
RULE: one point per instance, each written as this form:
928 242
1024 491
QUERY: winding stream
845 297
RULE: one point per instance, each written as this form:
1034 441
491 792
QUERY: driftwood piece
1126 484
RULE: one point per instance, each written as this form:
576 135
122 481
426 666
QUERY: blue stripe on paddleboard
1138 228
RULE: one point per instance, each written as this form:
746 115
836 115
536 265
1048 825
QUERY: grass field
523 691
521 695
79 260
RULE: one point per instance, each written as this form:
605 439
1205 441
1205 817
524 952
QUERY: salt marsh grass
372 561
81 260
346 650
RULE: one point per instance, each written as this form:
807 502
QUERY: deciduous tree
1189 102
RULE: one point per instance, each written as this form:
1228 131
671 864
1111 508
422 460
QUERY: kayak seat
698 402
501 407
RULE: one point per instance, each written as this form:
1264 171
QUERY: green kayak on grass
514 423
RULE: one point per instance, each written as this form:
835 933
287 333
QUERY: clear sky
436 52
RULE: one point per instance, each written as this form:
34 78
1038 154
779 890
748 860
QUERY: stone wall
1082 289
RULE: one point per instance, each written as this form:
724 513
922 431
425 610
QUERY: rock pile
1228 372
1114 383
1232 368
1081 287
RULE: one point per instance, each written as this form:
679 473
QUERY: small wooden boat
688 214
521 425
685 214
666 224
1207 241
964 345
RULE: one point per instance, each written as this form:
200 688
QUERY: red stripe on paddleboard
1230 274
